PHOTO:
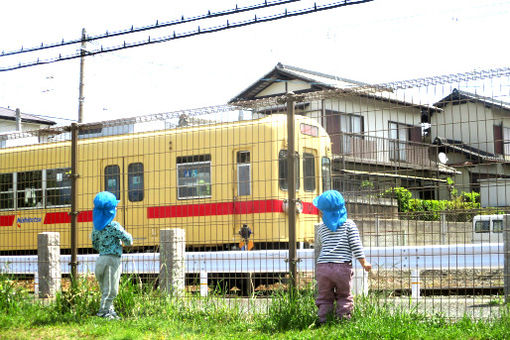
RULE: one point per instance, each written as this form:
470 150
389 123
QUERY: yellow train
218 182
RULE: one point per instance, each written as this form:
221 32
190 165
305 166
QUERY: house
8 121
377 137
15 121
473 131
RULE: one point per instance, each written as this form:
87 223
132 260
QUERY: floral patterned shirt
108 240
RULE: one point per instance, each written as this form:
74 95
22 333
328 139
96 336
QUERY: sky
374 42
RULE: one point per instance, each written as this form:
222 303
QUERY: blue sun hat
105 209
332 205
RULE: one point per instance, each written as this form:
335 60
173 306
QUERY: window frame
241 164
64 171
190 161
136 194
326 174
282 181
108 176
313 177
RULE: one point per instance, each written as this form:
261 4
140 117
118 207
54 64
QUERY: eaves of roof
459 97
8 114
469 151
318 81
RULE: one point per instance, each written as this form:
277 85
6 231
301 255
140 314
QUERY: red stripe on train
64 217
228 208
7 221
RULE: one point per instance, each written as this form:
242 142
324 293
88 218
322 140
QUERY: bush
460 208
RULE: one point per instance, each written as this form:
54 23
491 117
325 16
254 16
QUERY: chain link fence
424 166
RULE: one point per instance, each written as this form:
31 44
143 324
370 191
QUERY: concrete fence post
171 261
48 264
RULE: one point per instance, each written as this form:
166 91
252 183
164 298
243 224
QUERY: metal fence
424 166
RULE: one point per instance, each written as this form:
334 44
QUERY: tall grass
145 311
293 309
12 295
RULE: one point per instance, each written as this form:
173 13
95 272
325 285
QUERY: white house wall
471 123
284 87
376 117
10 126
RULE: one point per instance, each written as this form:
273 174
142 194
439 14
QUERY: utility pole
290 99
82 65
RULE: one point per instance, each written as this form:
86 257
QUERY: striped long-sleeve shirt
339 246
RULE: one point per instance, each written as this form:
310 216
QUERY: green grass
147 314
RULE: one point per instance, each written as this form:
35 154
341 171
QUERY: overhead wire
198 31
182 20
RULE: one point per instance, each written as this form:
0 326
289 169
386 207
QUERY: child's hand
367 266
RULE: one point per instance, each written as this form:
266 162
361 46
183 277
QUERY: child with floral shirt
108 237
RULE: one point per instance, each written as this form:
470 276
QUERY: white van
488 228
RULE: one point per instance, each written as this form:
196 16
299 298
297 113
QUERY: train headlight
299 206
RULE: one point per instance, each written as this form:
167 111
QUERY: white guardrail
414 258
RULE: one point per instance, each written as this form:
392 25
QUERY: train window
282 170
112 180
497 226
6 191
29 189
326 174
309 130
58 187
482 226
194 176
135 182
243 173
308 172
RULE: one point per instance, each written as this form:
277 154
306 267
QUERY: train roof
269 119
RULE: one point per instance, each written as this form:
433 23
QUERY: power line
182 20
198 31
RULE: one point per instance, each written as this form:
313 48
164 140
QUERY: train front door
124 177
244 220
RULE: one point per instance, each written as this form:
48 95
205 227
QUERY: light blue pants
108 270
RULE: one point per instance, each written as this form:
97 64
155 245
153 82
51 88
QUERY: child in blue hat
340 241
107 238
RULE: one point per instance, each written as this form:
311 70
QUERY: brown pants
334 284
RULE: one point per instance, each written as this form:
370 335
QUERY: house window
506 141
326 174
344 129
399 136
194 176
243 173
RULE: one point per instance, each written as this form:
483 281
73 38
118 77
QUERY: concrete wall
392 232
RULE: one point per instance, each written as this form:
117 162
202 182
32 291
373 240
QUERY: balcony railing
372 149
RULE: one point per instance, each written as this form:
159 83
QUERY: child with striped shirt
340 241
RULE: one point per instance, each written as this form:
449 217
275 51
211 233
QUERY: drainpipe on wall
18 120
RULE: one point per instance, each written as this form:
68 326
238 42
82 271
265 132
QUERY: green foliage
12 294
76 303
148 314
290 310
402 195
460 208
